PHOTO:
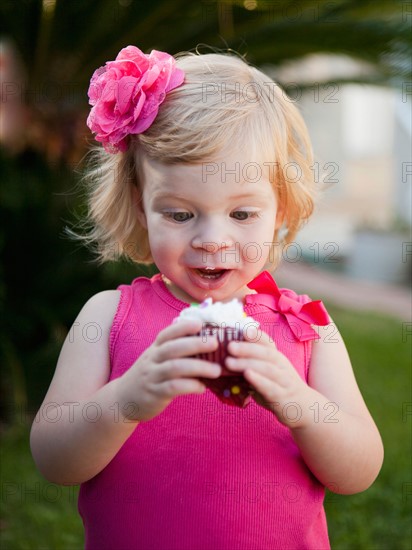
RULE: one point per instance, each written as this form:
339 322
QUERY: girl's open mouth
209 278
210 273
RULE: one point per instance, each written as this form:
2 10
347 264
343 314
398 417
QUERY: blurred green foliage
60 43
46 277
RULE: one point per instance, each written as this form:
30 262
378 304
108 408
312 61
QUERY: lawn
38 515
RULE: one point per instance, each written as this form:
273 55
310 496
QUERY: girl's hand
275 380
165 370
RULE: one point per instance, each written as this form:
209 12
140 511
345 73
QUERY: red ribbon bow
299 316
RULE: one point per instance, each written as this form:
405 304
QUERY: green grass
38 515
379 518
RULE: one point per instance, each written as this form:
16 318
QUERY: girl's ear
138 207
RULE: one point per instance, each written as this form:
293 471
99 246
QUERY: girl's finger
185 347
268 370
177 330
262 350
265 394
257 335
187 368
261 383
180 386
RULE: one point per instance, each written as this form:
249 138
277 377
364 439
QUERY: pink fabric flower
126 93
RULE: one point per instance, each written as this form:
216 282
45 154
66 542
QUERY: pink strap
299 316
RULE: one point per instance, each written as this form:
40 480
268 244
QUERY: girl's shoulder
84 364
103 297
102 305
107 303
94 322
97 315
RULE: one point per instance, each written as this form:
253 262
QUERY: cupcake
228 322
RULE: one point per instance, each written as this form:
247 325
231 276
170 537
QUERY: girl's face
210 225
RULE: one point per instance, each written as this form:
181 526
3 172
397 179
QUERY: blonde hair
223 102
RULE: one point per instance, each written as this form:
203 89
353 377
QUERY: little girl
205 172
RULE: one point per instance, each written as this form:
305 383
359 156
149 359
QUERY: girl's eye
243 215
179 216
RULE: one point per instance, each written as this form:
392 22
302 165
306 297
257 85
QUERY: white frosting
228 314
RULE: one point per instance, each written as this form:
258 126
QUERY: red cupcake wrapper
231 387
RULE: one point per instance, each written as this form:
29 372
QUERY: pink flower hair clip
126 93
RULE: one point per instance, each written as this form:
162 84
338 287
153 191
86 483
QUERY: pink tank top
203 475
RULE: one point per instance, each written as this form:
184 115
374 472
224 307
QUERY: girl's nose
211 247
212 237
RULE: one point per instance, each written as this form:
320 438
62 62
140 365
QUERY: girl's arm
74 434
327 417
338 439
84 419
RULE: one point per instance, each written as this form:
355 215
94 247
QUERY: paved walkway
344 291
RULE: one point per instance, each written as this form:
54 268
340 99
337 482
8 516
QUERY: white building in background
362 139
403 153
